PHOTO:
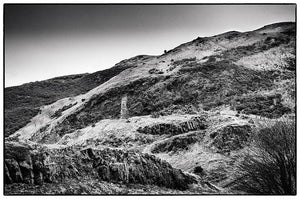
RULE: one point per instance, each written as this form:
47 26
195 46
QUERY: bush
198 170
270 167
265 106
155 115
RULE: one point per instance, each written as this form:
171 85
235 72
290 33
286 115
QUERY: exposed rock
14 170
155 71
7 178
132 167
195 123
178 143
112 165
230 138
27 171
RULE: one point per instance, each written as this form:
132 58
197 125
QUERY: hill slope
194 106
23 102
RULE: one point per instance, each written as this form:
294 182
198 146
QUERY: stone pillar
274 101
124 110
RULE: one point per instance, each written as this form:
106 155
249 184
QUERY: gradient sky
45 41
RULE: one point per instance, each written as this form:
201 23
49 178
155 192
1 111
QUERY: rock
178 143
139 168
230 138
195 123
104 173
38 172
111 165
14 170
7 178
27 172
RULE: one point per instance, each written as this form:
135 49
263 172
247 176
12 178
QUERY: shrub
291 64
270 166
155 115
198 169
264 106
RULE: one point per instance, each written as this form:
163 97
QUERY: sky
46 41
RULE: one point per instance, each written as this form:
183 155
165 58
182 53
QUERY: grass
218 81
211 84
270 166
266 106
21 103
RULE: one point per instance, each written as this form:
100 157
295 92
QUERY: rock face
196 123
37 166
132 167
25 164
230 138
178 143
19 164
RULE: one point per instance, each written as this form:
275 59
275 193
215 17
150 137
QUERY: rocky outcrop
230 138
39 165
36 165
133 167
178 143
195 123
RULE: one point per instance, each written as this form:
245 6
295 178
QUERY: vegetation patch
21 103
17 118
266 106
102 106
58 113
270 166
215 84
184 62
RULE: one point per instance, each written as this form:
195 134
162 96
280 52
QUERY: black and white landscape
212 115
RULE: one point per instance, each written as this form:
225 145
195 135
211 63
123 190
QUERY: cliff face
190 113
34 165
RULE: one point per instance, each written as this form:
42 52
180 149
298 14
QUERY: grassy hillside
23 102
202 86
178 79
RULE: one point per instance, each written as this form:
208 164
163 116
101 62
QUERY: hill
191 113
23 102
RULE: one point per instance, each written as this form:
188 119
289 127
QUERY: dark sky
45 41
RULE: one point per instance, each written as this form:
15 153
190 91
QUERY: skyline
46 41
